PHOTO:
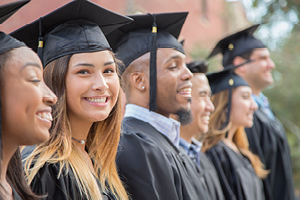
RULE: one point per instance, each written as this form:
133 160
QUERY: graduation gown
152 168
63 188
237 176
211 178
267 139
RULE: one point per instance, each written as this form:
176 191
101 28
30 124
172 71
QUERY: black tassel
41 41
153 78
229 108
230 82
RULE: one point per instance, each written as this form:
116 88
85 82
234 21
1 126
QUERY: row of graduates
88 156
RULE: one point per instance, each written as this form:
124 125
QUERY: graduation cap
77 27
198 66
226 80
147 33
9 9
8 43
237 44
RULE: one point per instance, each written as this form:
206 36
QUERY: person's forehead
261 52
242 89
169 53
24 55
200 81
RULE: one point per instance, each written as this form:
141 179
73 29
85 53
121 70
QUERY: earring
143 87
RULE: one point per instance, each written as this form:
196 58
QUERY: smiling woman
239 170
25 116
21 78
78 161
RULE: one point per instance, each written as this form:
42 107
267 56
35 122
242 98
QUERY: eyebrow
173 58
84 64
109 63
202 91
31 64
93 66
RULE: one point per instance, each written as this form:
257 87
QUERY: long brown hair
102 142
216 132
14 173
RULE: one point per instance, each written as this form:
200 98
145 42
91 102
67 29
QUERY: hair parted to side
15 173
102 142
216 133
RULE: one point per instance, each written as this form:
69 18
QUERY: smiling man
149 161
267 136
201 107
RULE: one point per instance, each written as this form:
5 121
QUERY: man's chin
184 116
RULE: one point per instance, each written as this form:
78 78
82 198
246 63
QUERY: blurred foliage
275 7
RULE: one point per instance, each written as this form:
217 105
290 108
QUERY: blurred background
209 21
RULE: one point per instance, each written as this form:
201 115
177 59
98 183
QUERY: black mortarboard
237 44
226 80
9 9
72 28
135 39
8 43
198 66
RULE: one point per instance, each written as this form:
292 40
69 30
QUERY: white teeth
97 99
186 90
45 115
206 118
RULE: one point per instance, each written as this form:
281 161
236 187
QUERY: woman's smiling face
242 107
92 86
25 99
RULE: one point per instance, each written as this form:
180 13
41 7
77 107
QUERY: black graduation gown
194 171
152 168
63 188
237 176
211 178
267 139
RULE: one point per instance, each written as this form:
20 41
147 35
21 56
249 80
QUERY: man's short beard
184 116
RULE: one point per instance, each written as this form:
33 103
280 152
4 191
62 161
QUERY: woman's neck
9 148
228 140
231 132
80 131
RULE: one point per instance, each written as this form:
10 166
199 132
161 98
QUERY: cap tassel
153 78
228 110
230 82
41 41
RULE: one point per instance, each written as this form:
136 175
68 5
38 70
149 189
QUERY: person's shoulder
219 147
137 132
133 141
